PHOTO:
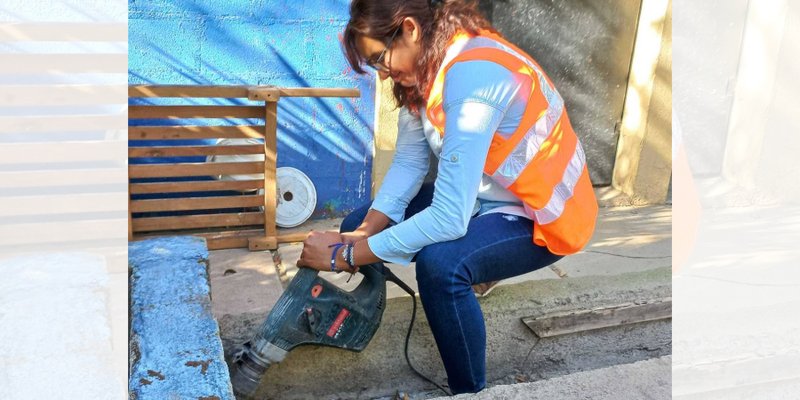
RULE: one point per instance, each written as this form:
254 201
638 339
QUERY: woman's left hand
316 253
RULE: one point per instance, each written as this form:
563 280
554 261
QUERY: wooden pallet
242 217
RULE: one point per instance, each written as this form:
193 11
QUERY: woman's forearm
374 222
363 255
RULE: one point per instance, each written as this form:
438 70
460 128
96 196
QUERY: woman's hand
316 253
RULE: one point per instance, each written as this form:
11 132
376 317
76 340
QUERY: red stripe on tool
338 322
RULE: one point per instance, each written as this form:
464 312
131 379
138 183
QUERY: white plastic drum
297 197
238 158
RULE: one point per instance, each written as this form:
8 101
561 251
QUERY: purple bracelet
336 247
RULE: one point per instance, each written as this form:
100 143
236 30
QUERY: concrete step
514 353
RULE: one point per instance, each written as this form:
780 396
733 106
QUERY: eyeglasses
378 64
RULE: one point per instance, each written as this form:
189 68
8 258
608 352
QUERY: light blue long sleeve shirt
479 99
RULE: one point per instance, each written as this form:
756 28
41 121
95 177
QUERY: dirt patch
239 328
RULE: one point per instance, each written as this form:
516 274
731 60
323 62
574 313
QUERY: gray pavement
242 281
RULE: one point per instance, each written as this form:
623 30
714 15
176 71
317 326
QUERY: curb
175 349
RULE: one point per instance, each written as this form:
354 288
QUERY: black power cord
390 276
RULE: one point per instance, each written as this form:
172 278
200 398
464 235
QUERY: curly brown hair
439 23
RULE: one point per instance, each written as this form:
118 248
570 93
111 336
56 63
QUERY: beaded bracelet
346 254
351 255
351 260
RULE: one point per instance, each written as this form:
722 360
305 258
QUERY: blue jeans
497 246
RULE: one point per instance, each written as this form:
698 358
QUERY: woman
512 193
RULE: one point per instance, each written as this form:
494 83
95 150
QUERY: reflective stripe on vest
542 162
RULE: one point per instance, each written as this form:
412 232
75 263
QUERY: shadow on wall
246 42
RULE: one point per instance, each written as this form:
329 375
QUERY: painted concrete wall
585 48
269 42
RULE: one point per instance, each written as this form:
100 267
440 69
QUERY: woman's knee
436 269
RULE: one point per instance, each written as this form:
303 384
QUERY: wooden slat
562 323
260 243
293 237
197 221
62 95
270 158
62 63
64 31
229 239
195 203
201 186
194 169
179 151
207 91
223 91
130 220
267 93
171 112
48 152
252 239
235 239
195 132
319 92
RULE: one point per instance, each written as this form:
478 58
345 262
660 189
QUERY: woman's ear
411 30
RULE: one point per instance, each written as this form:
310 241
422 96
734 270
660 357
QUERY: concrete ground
628 259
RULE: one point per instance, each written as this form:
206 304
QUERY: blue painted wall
269 42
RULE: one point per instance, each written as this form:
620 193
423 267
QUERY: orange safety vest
542 162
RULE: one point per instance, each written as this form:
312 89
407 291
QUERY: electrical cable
393 278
